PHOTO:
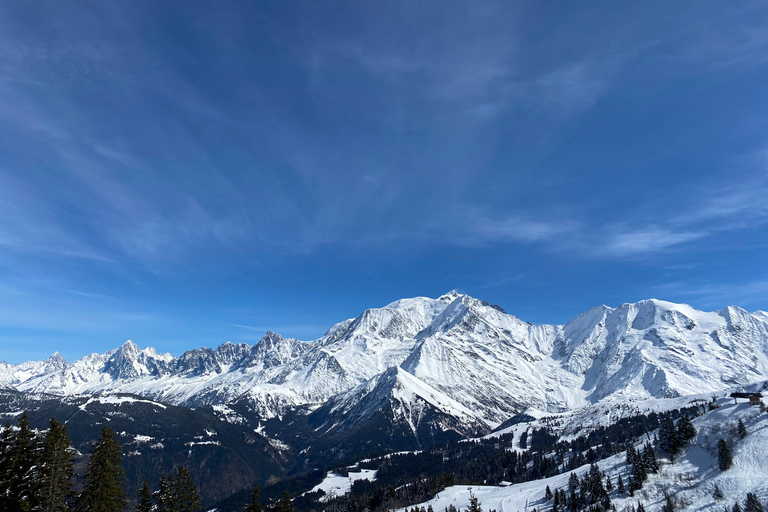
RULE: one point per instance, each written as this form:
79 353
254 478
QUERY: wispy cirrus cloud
578 85
646 240
713 294
516 228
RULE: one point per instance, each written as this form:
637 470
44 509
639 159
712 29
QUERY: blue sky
186 173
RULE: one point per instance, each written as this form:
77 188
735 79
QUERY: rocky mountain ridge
455 361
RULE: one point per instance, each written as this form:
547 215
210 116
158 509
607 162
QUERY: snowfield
336 485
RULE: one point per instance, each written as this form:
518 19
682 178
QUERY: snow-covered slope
479 364
14 375
690 480
406 400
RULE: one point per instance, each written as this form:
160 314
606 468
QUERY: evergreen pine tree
20 479
556 501
640 507
724 459
630 455
608 483
177 493
639 472
583 493
185 492
6 466
573 483
742 430
164 494
145 498
474 503
56 470
596 489
669 440
685 430
285 504
717 493
255 504
620 485
752 503
649 459
736 507
103 483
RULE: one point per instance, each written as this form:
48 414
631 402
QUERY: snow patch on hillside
336 485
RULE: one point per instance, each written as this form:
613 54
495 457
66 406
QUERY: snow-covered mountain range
456 361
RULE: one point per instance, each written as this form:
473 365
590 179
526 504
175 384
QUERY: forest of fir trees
37 475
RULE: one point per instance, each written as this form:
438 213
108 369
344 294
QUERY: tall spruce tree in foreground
103 484
164 494
724 459
6 441
187 498
255 504
56 470
145 498
19 482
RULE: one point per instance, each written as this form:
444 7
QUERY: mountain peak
450 296
55 362
130 347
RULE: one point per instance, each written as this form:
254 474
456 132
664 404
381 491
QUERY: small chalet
754 398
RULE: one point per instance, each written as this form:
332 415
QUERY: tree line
37 474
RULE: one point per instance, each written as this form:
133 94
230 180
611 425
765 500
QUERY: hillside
690 481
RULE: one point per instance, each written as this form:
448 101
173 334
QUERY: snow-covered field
690 480
336 485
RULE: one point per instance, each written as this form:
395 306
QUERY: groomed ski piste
690 481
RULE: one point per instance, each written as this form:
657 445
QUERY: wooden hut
754 398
